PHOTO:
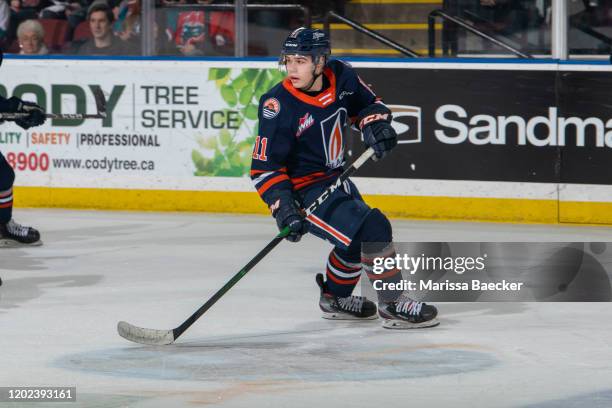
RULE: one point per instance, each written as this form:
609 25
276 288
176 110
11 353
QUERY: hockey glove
36 114
288 214
375 126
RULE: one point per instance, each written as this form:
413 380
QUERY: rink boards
484 140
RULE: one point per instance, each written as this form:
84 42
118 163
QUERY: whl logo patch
304 123
332 130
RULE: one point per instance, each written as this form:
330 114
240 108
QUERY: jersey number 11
257 155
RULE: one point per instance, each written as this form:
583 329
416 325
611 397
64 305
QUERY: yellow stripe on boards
580 212
466 208
140 200
432 208
382 26
436 208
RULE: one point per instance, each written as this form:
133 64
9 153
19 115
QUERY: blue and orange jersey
301 137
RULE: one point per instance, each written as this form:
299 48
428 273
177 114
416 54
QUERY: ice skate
405 313
15 235
344 308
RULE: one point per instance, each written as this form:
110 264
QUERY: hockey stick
163 337
100 107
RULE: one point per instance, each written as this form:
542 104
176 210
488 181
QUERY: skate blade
10 243
403 325
342 316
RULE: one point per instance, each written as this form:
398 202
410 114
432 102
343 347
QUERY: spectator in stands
30 36
100 18
22 10
199 31
76 12
188 31
127 24
73 11
5 18
30 7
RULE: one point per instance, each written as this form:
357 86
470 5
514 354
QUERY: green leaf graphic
225 138
250 112
246 95
239 83
250 74
229 95
222 73
241 90
212 74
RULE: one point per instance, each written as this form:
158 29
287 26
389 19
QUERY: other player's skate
15 235
344 308
405 313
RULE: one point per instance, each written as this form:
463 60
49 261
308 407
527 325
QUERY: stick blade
145 336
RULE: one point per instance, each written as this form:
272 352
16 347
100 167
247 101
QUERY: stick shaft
271 245
100 107
17 116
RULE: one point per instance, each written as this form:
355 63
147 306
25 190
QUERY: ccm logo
373 118
313 207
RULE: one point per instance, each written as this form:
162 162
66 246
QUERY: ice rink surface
264 344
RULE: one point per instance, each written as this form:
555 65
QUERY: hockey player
11 233
300 151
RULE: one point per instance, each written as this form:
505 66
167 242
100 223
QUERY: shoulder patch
271 108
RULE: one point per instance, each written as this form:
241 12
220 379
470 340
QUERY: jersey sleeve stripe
256 172
274 180
262 177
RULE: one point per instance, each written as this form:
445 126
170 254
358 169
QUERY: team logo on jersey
332 130
304 123
271 108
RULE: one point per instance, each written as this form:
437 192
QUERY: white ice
264 343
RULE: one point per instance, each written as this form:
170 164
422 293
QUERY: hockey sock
342 275
7 177
379 276
6 205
